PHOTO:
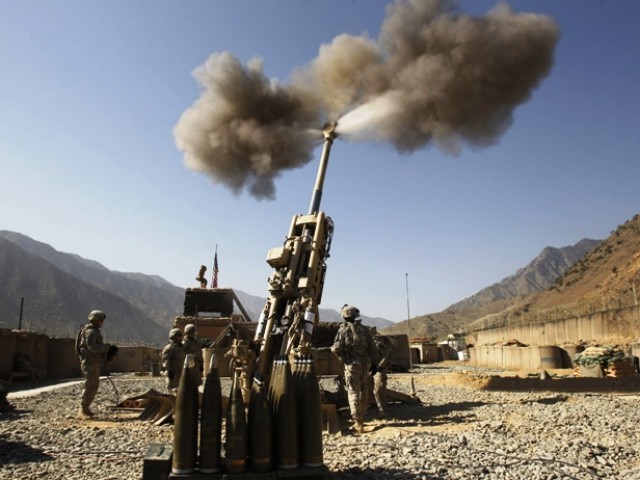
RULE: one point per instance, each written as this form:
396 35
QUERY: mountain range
61 288
590 275
57 290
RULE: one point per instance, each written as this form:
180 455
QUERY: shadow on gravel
629 383
379 473
13 414
20 452
549 400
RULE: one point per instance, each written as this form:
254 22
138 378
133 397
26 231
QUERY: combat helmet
349 312
190 328
97 315
174 332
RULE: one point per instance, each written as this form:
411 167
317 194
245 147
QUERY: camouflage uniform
92 352
383 360
354 345
192 346
173 355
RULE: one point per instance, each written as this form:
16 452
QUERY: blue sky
90 93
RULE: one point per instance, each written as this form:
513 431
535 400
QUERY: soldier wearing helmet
92 352
354 346
192 346
173 355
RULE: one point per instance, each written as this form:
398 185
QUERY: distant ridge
61 288
539 275
57 303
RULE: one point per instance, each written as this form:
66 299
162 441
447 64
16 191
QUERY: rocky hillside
537 276
607 277
57 303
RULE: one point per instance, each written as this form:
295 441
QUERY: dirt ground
559 380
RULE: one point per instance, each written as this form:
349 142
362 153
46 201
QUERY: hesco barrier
56 358
567 352
518 358
605 326
62 361
327 363
7 351
135 359
35 346
400 354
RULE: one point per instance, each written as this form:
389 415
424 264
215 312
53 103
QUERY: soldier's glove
373 369
112 352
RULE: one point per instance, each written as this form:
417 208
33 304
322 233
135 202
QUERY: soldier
192 345
379 370
173 355
92 351
354 345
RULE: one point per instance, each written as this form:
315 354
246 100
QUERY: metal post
21 310
408 321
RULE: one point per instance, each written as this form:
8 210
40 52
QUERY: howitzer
295 287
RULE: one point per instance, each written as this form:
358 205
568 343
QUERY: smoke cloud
433 76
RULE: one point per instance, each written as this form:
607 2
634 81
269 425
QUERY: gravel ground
472 424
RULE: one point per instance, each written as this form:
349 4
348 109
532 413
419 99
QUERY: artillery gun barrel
329 133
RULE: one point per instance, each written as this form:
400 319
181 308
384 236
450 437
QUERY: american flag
214 280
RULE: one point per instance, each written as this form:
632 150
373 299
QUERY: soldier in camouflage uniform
381 367
173 355
192 346
354 346
92 352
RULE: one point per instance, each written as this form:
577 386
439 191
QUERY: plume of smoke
244 130
433 76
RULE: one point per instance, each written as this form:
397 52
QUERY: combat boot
358 427
85 413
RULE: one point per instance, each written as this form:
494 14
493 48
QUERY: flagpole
408 310
214 274
408 322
